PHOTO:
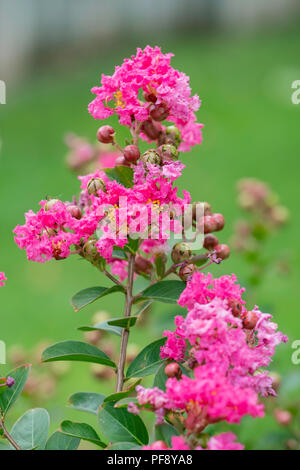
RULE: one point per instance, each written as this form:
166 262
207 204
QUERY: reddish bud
120 161
159 112
219 220
282 417
210 225
186 271
235 306
173 370
105 134
74 211
150 97
152 129
222 251
210 242
168 152
250 320
142 265
131 153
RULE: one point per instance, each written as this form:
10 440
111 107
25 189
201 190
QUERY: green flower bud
181 252
151 156
95 185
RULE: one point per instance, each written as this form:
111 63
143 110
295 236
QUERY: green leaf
115 325
85 401
124 446
31 430
160 265
147 361
119 253
160 377
10 395
60 441
164 291
76 351
82 431
116 396
121 174
118 425
89 295
165 432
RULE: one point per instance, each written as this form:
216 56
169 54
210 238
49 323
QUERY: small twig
113 278
118 146
125 331
8 436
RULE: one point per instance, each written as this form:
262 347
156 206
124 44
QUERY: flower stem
8 436
125 332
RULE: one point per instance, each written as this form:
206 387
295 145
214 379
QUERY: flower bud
105 134
181 252
159 112
173 136
186 271
152 129
150 97
210 225
168 153
90 248
222 251
173 370
142 265
282 417
120 161
131 153
10 382
95 185
49 204
74 211
235 306
151 156
219 220
210 242
250 320
206 209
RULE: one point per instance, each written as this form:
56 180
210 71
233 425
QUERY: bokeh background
242 58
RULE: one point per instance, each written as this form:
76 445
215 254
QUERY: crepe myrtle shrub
211 367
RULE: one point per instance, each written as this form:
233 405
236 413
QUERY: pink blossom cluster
149 71
2 279
224 441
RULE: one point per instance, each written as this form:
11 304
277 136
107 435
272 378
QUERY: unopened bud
49 204
152 129
235 306
210 242
95 185
74 211
168 153
250 320
219 220
206 209
210 225
173 370
181 252
105 134
173 136
150 97
90 248
282 417
151 156
10 382
159 112
186 271
222 251
120 161
142 265
131 153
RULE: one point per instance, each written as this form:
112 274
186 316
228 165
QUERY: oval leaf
164 291
165 432
82 431
118 425
60 441
85 401
10 395
76 351
147 361
104 326
89 295
31 430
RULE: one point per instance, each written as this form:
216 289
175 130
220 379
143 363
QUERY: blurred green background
251 130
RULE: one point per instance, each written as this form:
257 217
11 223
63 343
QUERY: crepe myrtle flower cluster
225 349
215 359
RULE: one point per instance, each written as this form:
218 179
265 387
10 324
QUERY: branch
113 278
125 331
8 436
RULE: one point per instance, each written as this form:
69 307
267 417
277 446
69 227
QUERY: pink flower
224 441
148 71
2 279
174 347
